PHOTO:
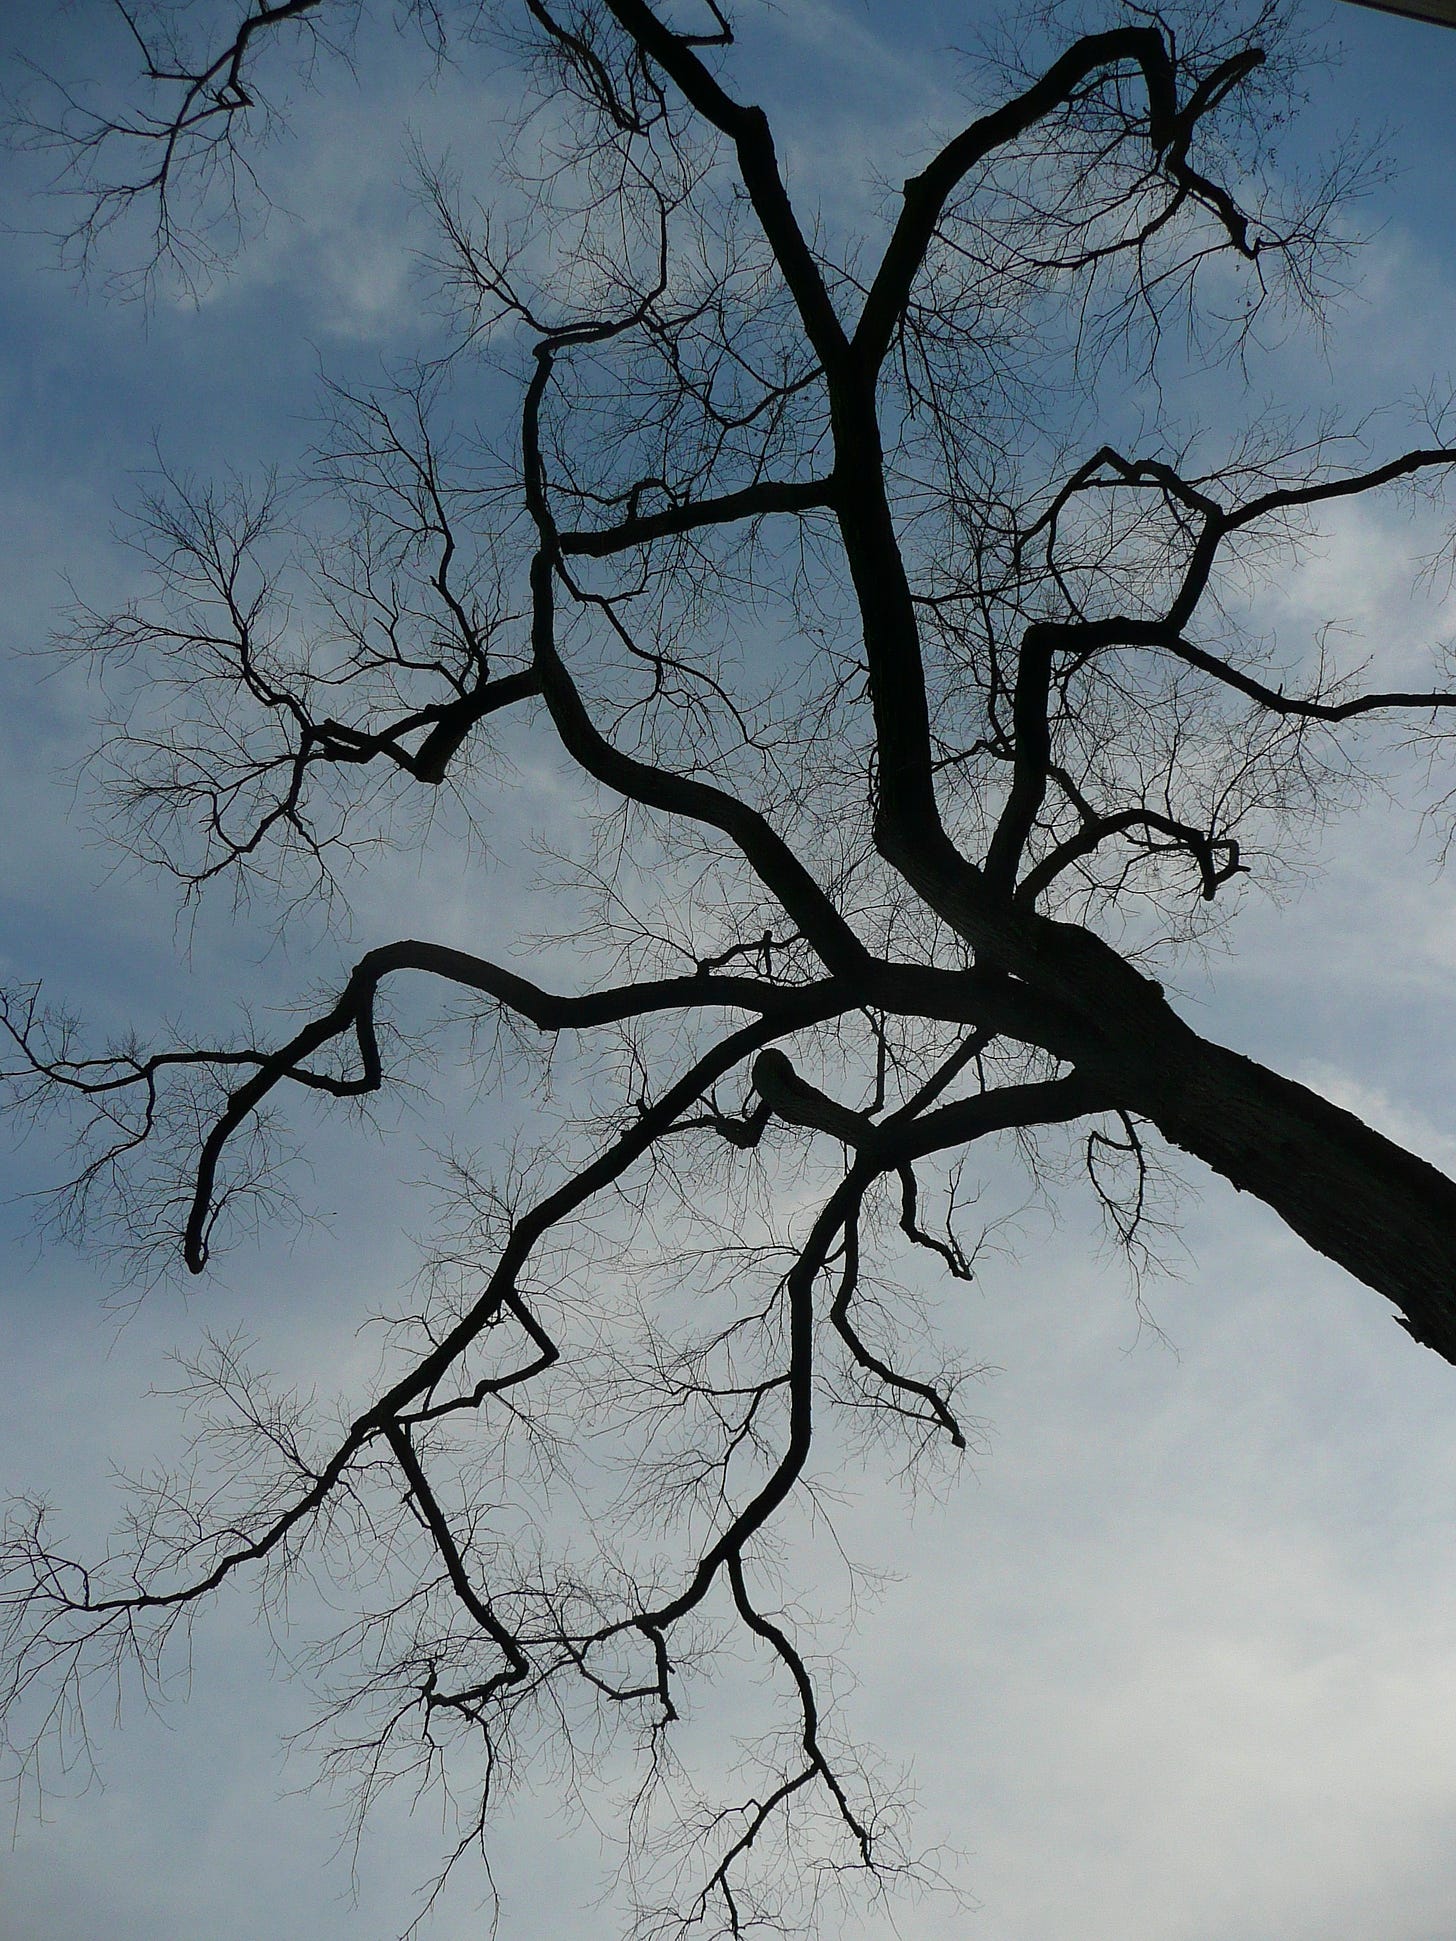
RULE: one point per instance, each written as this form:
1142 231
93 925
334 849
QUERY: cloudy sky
1177 1661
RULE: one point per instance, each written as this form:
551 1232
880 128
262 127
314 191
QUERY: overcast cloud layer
1178 1662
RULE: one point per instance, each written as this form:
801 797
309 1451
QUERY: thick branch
895 1142
1383 1214
770 495
1032 760
747 128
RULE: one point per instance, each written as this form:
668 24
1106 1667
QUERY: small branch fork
191 129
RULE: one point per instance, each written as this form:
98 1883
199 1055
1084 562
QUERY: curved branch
1169 132
1098 829
354 1011
652 1122
775 1636
1094 636
866 1357
811 909
1219 521
799 1287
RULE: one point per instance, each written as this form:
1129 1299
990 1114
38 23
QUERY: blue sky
1178 1662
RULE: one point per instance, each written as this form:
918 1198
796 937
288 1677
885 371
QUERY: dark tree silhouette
917 721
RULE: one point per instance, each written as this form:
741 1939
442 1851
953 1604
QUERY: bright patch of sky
1178 1663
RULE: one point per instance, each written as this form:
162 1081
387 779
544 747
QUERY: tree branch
926 194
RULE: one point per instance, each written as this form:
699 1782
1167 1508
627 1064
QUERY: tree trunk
1385 1215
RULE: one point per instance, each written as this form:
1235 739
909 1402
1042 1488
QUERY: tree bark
1385 1215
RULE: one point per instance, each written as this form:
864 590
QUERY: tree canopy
898 642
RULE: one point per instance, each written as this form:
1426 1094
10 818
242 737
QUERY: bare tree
919 725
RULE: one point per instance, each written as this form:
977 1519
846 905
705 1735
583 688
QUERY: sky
1176 1660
